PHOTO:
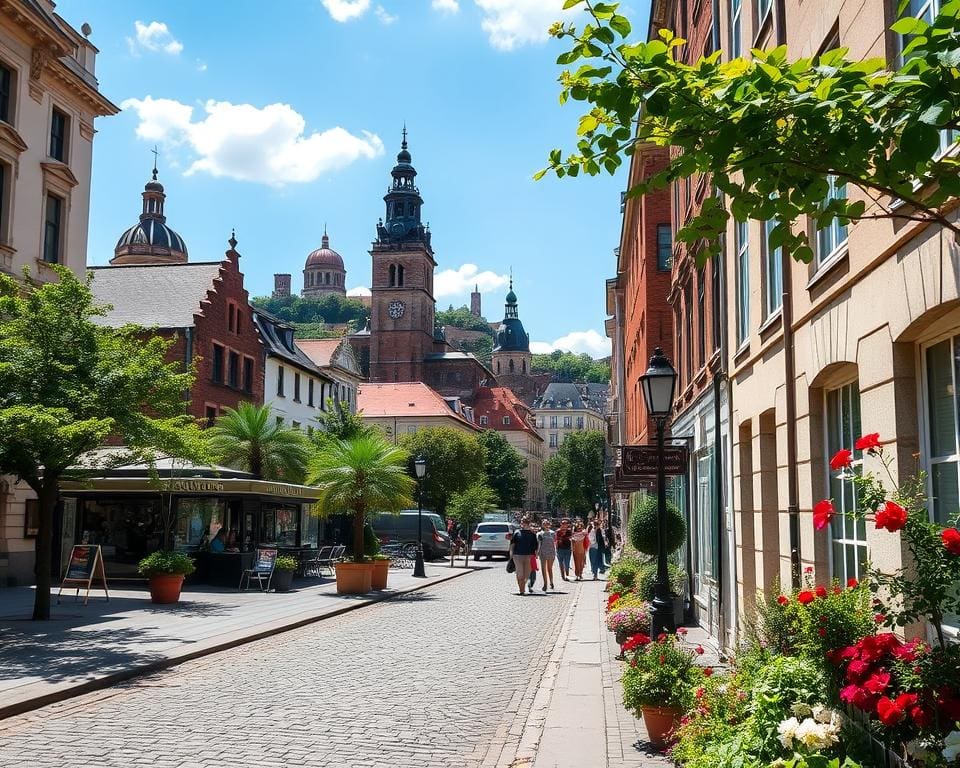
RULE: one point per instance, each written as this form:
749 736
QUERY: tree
362 475
573 477
325 310
250 438
504 468
454 461
463 318
67 384
340 423
772 133
480 347
566 366
468 508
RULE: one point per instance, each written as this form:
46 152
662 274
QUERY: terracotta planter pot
380 570
354 578
659 722
165 587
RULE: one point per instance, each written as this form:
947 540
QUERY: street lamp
658 385
420 465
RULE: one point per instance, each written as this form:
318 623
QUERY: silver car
491 539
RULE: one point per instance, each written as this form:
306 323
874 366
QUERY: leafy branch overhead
769 130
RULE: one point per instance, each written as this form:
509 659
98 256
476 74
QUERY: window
218 364
664 248
831 237
553 422
774 271
393 275
579 422
310 393
736 29
848 536
59 125
483 421
715 299
541 422
6 93
323 396
742 239
233 370
296 387
400 275
280 381
943 371
553 439
506 421
688 330
398 209
231 316
567 422
211 415
52 229
764 8
678 325
279 421
247 374
296 425
701 317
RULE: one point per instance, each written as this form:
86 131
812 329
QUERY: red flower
823 619
663 659
859 697
841 459
877 682
906 700
806 597
613 598
783 599
853 583
857 669
821 591
708 671
921 716
699 650
845 654
822 632
635 641
700 692
808 569
869 442
951 540
879 618
823 511
661 637
891 516
682 631
889 712
948 703
907 652
836 590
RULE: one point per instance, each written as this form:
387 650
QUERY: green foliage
315 331
780 684
749 125
836 618
166 563
470 505
285 563
312 311
248 437
643 525
647 575
573 477
505 468
481 348
455 460
339 423
567 366
623 572
66 384
371 542
363 475
661 673
462 318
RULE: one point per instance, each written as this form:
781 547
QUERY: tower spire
403 144
155 153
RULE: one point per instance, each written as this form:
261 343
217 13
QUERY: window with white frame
848 536
742 238
736 28
834 235
764 8
553 439
773 268
942 366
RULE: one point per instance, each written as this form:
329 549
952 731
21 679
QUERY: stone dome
153 233
325 256
150 240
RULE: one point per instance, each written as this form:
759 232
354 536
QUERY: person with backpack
523 546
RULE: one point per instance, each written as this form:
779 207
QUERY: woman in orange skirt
578 545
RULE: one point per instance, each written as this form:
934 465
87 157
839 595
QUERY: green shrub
647 575
642 529
371 542
166 563
285 563
623 572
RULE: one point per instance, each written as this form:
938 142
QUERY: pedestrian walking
523 545
594 552
578 544
547 540
601 546
564 548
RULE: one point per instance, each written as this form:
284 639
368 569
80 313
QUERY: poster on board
84 566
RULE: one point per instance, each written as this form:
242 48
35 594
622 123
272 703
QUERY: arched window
523 366
393 275
510 366
400 275
498 366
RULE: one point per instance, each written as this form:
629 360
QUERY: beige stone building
402 408
49 98
565 408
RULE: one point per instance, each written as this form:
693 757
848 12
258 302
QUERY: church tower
402 305
511 344
150 240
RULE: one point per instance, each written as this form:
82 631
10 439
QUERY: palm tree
250 438
363 475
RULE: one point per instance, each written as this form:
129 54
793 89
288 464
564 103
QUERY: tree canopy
504 468
470 505
463 318
567 366
772 132
454 461
573 477
67 384
312 314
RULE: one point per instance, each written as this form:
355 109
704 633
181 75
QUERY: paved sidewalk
83 648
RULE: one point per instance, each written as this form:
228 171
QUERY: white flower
951 746
918 750
788 731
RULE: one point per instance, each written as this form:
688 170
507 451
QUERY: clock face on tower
395 309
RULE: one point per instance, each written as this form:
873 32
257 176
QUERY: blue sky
278 123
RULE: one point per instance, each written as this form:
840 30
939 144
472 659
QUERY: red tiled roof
404 399
320 350
497 402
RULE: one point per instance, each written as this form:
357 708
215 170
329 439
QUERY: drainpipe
789 370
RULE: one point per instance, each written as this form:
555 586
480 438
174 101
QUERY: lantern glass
658 385
420 465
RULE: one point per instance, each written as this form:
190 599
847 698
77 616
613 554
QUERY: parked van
402 529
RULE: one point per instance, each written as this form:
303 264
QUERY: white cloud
512 23
460 282
446 6
384 16
360 290
589 341
154 37
240 141
346 10
201 65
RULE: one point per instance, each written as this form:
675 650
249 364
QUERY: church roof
510 335
154 233
325 256
153 295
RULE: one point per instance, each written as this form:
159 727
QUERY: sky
280 123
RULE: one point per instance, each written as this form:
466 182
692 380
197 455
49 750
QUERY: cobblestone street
433 678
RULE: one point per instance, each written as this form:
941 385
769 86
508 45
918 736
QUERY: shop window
848 536
198 521
52 229
218 355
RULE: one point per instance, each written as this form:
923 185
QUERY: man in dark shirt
523 546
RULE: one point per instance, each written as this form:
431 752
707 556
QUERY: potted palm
361 475
283 570
165 572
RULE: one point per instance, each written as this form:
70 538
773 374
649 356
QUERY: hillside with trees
313 316
567 366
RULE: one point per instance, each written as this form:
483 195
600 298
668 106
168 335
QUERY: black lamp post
420 465
658 385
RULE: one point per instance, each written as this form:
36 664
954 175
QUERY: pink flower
699 650
783 599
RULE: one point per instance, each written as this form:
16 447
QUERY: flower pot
678 610
380 570
165 587
354 578
659 722
282 580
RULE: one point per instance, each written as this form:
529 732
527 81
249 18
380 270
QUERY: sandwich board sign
85 565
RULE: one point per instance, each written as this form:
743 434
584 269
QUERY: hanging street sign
641 460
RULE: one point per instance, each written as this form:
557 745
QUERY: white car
491 539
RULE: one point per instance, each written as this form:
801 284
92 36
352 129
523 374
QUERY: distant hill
567 367
317 317
462 318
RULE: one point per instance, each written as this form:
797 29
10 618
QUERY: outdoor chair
331 557
262 570
314 565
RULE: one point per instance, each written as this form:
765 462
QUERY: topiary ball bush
643 526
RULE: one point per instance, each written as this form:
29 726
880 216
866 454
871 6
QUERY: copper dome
325 256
